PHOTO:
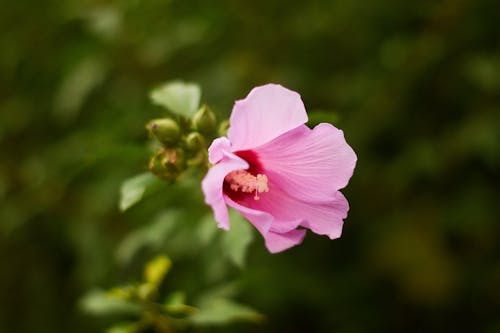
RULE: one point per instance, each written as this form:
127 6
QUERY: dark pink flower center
239 183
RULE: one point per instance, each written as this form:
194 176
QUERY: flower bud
204 120
199 159
167 163
194 141
223 127
164 130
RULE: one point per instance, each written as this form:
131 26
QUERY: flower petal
212 186
310 165
267 112
264 223
333 228
324 218
260 220
276 242
217 149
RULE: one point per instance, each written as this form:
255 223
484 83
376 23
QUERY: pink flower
277 172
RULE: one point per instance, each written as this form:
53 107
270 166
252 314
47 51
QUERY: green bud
155 165
146 290
173 160
223 127
204 120
167 163
125 293
156 269
165 130
194 141
199 159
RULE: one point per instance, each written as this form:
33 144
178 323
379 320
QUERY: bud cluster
183 142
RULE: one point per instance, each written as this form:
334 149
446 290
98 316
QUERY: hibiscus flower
282 176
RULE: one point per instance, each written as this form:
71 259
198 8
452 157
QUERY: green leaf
124 328
176 298
98 302
206 229
179 97
176 304
235 241
220 311
151 235
133 189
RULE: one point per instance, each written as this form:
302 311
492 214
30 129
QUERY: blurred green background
414 85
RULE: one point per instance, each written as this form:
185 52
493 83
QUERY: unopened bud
164 130
146 290
204 120
223 127
199 159
194 141
167 163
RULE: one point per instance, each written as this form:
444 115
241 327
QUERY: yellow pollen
244 181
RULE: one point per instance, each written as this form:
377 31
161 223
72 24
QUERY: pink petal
283 226
260 220
264 223
276 242
212 186
310 165
332 229
324 218
217 149
267 112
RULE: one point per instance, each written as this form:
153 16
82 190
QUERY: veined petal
324 218
322 226
310 165
267 112
212 186
292 174
260 220
264 223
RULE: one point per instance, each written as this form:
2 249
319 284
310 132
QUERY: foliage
179 97
141 301
414 86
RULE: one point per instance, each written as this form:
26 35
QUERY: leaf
206 229
151 235
98 302
179 97
176 304
132 189
156 269
77 86
124 328
220 311
235 241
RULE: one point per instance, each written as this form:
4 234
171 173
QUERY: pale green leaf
235 241
220 311
179 97
176 304
77 86
132 189
206 229
125 328
152 235
98 302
